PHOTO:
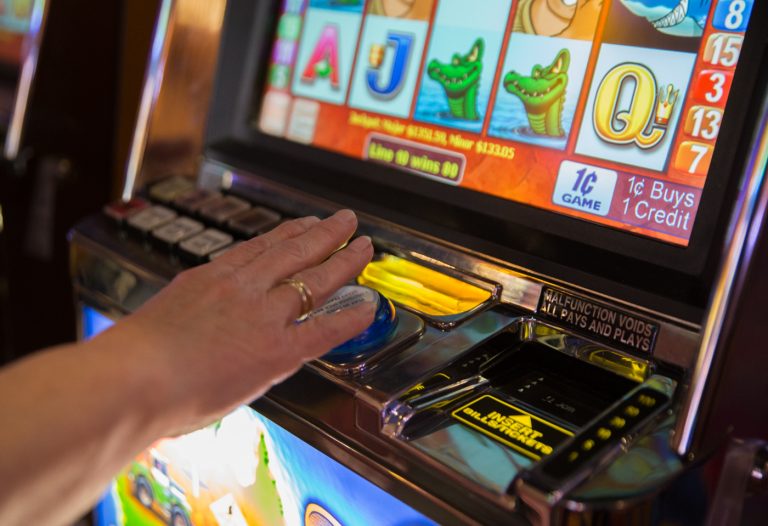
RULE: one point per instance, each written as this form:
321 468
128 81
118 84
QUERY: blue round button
371 339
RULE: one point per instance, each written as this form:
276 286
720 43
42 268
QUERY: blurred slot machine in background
15 19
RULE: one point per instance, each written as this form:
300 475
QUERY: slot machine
20 31
567 202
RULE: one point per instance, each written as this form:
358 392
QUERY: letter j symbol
402 44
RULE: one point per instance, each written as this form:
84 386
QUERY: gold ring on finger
307 302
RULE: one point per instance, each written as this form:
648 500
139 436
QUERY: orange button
693 158
712 86
703 122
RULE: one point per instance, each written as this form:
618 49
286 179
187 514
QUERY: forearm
71 417
218 336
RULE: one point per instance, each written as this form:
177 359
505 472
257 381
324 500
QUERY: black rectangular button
192 201
254 221
206 242
220 210
151 218
167 190
177 230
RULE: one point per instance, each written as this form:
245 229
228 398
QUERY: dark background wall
79 124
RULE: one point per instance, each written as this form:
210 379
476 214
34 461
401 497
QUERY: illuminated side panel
242 470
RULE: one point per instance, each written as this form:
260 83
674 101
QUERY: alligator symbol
460 80
543 94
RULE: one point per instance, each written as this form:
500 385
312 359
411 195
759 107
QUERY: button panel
207 227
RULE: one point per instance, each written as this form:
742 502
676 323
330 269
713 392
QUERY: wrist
144 386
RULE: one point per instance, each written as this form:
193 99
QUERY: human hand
221 334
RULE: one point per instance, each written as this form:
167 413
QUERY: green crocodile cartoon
460 79
543 94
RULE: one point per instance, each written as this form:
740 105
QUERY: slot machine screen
608 112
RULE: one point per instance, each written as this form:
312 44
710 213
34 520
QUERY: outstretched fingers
298 253
321 281
246 252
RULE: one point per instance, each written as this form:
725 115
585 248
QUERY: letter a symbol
324 62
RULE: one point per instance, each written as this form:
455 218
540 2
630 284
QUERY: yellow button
603 433
420 288
631 411
647 401
618 422
588 444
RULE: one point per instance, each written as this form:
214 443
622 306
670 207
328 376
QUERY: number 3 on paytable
732 15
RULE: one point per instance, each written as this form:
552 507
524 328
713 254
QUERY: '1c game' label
585 188
525 433
597 320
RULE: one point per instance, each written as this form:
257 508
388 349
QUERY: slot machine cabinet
575 281
170 121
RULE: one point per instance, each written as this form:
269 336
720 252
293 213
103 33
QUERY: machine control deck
515 402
